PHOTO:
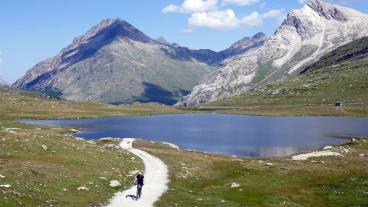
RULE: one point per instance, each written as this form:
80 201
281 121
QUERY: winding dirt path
155 180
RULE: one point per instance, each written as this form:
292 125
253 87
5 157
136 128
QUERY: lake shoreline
233 135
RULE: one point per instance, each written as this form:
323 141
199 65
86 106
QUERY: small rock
114 183
2 176
361 155
235 185
103 178
269 164
64 189
328 148
353 140
5 186
44 147
82 188
91 142
111 146
132 158
223 201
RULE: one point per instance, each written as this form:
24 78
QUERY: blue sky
33 30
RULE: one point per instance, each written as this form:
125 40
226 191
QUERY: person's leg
137 196
140 191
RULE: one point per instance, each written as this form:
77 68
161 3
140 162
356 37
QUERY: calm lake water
256 136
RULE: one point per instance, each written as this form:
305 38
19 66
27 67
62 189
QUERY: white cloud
241 2
302 1
191 6
274 13
227 19
170 8
219 19
198 5
206 13
254 19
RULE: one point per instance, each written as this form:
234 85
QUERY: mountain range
304 36
116 63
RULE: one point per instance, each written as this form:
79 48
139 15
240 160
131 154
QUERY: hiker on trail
139 181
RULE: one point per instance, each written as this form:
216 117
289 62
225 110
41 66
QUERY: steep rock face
339 76
304 36
116 63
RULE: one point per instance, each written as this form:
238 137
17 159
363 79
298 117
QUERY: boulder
328 148
44 147
234 185
114 183
82 188
111 146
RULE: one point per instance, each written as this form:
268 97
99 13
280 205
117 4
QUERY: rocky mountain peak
304 36
259 35
114 62
326 10
109 29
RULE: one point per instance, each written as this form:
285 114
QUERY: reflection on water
266 151
256 136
